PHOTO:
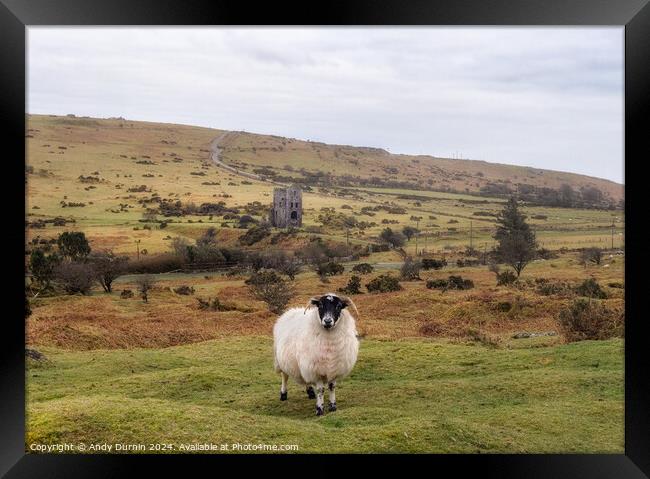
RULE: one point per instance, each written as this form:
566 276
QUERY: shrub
409 232
430 263
273 289
42 266
214 305
453 282
591 255
246 220
75 277
363 268
330 268
393 238
73 245
184 290
616 285
432 328
410 270
145 283
591 289
353 286
466 263
546 288
126 294
505 278
384 283
589 319
255 234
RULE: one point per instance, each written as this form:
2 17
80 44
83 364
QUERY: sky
544 97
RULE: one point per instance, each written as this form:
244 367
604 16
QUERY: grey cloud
545 97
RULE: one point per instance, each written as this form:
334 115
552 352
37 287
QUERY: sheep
315 346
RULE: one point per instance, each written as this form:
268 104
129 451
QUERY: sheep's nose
328 322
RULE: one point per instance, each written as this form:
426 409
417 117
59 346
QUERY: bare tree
107 267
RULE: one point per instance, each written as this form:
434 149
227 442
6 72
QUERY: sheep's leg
283 387
310 392
332 387
320 392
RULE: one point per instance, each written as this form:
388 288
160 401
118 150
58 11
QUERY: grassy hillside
403 396
292 158
88 173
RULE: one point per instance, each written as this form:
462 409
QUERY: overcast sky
544 97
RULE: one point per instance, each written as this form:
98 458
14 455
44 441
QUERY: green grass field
403 396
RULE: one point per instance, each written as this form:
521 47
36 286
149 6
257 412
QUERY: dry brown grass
106 321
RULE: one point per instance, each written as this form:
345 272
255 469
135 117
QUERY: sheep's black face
329 309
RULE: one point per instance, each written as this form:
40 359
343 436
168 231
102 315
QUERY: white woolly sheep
315 346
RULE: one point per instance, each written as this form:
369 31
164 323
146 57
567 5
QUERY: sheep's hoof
310 393
319 411
283 396
332 407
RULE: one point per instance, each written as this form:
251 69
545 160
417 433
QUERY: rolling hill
109 178
314 163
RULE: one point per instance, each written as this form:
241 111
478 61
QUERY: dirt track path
215 157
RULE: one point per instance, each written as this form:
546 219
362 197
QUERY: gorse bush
384 283
590 319
453 282
43 266
548 288
353 286
184 290
430 263
73 245
590 289
330 269
363 268
255 234
505 278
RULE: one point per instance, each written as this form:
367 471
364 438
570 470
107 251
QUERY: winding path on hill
215 157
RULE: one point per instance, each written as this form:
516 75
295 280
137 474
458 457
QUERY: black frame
634 15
